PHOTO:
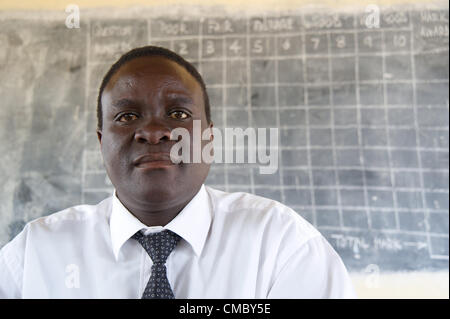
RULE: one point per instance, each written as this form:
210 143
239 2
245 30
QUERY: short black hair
149 51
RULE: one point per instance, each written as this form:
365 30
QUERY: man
164 234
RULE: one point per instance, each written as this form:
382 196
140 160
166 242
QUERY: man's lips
153 160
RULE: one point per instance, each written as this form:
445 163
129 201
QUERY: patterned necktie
158 246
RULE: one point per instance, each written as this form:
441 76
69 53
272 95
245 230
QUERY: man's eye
127 117
179 115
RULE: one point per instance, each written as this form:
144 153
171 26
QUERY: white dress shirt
234 245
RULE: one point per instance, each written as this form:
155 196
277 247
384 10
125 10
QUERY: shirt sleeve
314 271
11 267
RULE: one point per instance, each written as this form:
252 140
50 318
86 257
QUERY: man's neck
154 215
158 218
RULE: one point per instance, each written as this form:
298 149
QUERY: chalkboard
362 113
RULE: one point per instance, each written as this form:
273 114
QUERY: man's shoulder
229 202
261 212
64 222
77 213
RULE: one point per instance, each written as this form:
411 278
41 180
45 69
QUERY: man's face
143 102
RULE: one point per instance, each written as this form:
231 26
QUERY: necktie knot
158 245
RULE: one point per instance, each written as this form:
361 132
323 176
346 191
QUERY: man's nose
152 132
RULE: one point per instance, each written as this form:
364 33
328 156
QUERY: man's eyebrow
123 103
182 99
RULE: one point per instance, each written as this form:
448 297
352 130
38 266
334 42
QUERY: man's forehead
144 76
152 68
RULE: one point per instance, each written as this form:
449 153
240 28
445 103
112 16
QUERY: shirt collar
191 224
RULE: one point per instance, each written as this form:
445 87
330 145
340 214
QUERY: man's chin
153 197
159 195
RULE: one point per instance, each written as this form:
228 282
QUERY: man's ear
99 136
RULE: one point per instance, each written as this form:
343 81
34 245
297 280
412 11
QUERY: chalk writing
112 30
358 244
273 24
216 26
434 31
434 16
174 28
321 21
